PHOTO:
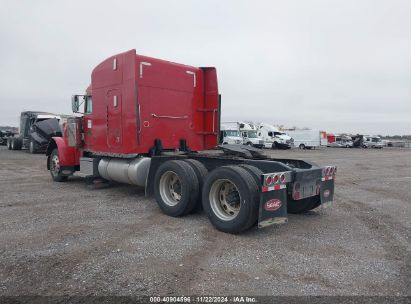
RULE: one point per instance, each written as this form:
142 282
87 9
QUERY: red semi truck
155 124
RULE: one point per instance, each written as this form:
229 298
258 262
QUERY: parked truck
36 130
155 124
4 135
249 133
273 137
229 134
306 139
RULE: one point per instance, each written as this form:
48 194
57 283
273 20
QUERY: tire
182 199
18 143
301 146
13 144
32 147
255 173
9 142
250 144
201 172
241 212
303 205
55 169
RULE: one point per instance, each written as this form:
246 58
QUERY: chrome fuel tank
133 171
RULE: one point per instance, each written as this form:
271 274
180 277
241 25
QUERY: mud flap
327 191
273 208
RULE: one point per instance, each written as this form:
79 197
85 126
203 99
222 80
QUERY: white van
306 139
229 134
372 142
273 137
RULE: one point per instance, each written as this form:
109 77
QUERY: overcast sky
340 66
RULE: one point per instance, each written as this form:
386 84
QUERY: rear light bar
275 181
329 172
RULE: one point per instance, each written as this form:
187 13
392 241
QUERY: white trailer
306 139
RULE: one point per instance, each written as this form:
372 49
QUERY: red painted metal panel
156 99
68 156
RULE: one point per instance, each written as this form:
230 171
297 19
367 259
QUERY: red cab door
114 120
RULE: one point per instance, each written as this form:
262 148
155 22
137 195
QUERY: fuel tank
133 171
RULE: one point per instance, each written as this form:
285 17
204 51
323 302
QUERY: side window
89 105
259 133
270 133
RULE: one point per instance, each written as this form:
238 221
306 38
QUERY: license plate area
307 189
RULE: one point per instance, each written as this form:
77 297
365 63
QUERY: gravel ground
76 239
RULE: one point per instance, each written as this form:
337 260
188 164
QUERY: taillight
327 171
268 180
275 179
282 177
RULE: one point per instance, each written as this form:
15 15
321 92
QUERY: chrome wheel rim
225 199
55 165
170 188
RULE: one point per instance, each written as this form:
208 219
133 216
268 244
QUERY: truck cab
249 134
230 135
155 124
36 130
274 138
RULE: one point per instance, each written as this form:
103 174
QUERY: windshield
278 133
232 133
252 134
376 139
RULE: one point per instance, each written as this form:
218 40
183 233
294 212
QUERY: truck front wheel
55 169
230 199
176 188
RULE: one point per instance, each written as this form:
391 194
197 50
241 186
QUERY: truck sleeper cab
164 141
274 138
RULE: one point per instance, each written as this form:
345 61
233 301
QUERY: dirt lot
75 239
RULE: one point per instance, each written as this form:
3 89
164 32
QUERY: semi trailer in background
35 132
306 139
155 124
273 137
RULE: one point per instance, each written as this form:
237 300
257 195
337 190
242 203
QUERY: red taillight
331 170
275 179
282 177
268 180
296 195
327 171
335 170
